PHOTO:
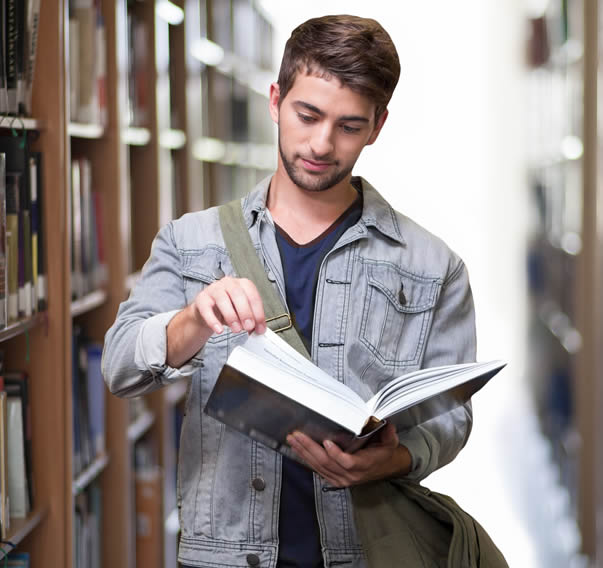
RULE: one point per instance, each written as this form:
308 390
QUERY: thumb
389 437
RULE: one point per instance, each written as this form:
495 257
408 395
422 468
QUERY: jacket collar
376 211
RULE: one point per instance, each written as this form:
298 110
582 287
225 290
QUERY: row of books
88 262
19 36
22 259
87 528
88 389
87 62
16 485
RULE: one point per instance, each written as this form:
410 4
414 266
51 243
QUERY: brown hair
357 51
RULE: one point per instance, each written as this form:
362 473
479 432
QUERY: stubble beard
308 181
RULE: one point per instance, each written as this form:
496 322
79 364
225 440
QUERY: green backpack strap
247 264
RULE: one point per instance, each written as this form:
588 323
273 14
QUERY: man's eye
350 129
305 118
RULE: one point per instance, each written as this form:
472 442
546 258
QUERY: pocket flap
407 292
207 265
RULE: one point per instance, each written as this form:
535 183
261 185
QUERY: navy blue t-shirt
299 535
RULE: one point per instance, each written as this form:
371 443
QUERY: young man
374 295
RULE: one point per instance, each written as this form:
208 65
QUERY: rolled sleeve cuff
151 350
420 446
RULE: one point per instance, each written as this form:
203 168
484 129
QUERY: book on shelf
87 528
20 19
17 560
87 68
88 262
267 390
37 233
88 401
16 385
17 472
12 244
4 499
3 248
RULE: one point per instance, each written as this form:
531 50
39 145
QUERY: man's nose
321 142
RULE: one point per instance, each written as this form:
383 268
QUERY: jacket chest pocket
397 312
203 268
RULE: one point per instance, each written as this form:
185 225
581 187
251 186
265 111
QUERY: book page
272 348
413 388
297 387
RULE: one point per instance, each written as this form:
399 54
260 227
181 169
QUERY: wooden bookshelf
146 172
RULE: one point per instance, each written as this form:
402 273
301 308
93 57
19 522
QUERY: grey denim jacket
390 298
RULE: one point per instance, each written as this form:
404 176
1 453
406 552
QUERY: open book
267 390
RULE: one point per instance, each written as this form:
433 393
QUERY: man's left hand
381 459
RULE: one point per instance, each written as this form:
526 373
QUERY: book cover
17 560
267 390
15 445
17 384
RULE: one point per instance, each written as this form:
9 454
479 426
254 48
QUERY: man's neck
302 214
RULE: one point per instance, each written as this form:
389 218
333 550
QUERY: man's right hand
234 302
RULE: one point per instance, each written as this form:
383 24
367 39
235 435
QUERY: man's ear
378 127
275 97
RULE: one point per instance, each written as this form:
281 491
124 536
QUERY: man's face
322 129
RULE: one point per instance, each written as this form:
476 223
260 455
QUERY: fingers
234 302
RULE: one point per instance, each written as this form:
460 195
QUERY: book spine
33 21
76 232
34 216
12 247
4 499
11 54
3 247
42 292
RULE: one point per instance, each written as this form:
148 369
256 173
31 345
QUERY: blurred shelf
140 426
89 474
172 139
243 154
81 130
19 123
176 392
20 528
88 303
136 136
17 328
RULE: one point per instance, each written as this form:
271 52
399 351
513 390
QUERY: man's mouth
315 166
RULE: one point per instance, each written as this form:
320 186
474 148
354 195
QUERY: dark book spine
12 246
11 53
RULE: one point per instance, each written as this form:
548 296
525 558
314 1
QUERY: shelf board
22 326
140 426
176 392
19 123
136 136
89 474
81 130
20 528
88 302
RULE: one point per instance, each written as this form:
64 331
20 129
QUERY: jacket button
253 560
258 484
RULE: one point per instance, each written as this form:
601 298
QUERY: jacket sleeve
134 352
452 339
